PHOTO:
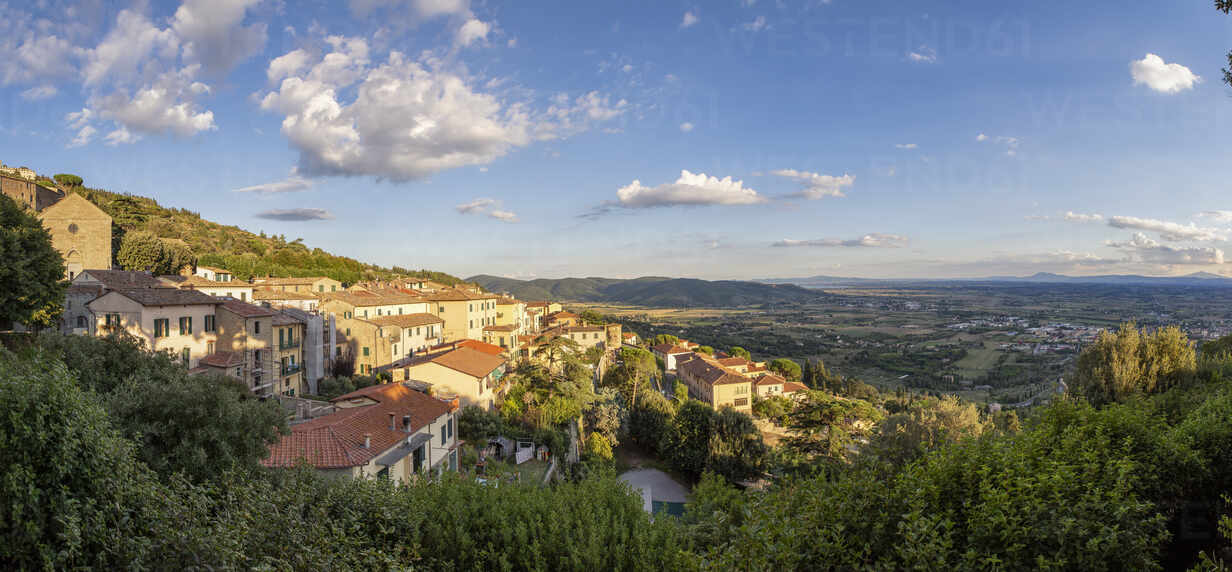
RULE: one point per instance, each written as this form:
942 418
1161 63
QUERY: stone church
80 231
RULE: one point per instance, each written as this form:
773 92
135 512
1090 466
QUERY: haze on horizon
739 139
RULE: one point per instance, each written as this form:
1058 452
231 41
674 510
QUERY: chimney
406 423
392 424
367 440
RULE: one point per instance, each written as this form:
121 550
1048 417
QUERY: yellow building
248 331
369 304
466 313
710 383
419 332
241 291
289 359
512 312
180 322
472 375
80 232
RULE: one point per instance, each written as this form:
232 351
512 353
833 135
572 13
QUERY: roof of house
733 362
168 297
563 314
271 281
93 290
507 301
670 349
125 279
366 298
223 359
770 380
214 269
407 320
260 294
628 335
792 387
245 309
707 372
285 319
456 295
484 347
468 360
336 441
572 329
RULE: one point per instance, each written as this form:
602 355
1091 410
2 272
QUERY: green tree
705 350
476 425
68 180
826 426
927 424
736 447
737 351
598 446
1132 362
142 251
689 440
556 349
31 271
787 368
665 339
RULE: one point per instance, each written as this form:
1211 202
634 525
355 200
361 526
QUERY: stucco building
181 322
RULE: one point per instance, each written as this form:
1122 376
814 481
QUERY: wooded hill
242 252
651 291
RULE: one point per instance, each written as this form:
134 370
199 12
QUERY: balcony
289 344
291 369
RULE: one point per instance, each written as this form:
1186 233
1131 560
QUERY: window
256 327
185 325
209 348
470 307
443 436
365 351
185 355
378 312
209 323
449 427
113 320
243 296
365 313
441 310
743 401
321 288
81 321
472 323
256 358
333 288
162 327
346 315
348 332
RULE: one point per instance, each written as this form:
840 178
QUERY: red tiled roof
260 294
222 359
792 387
669 349
124 279
472 362
336 441
456 295
733 362
285 319
771 380
472 344
245 309
710 373
168 297
407 320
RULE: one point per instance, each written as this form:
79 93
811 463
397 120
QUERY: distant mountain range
1195 279
653 291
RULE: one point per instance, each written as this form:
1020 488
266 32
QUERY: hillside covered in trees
146 234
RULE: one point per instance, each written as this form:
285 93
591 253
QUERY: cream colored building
214 274
289 359
248 331
282 299
512 312
315 284
474 376
370 344
419 332
180 322
466 312
384 431
368 304
711 383
241 291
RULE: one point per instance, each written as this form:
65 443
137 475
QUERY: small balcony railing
291 369
289 344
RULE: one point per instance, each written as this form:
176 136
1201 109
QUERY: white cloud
689 190
689 19
1219 216
406 119
296 215
1141 248
1170 231
473 30
213 35
686 127
131 49
39 92
758 24
1080 217
164 107
84 135
420 9
121 136
1162 77
1010 143
816 185
287 65
905 146
872 240
923 55
289 185
488 207
475 206
626 68
28 56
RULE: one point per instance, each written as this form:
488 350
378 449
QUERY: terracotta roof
260 294
168 297
125 279
561 315
628 335
477 345
285 319
770 380
245 309
792 387
336 441
709 373
669 349
407 320
223 359
177 281
507 301
536 304
456 295
213 269
365 298
470 361
733 362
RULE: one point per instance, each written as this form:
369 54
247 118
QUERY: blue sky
725 139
